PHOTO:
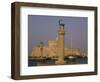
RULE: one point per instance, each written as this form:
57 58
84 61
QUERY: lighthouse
61 43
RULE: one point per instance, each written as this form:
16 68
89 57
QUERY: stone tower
61 38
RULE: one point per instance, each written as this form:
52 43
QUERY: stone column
41 49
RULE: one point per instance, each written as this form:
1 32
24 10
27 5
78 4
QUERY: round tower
61 41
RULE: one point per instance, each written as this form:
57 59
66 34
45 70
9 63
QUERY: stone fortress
55 48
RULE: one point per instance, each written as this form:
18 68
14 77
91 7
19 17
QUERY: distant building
55 49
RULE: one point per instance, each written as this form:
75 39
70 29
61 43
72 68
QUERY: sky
45 28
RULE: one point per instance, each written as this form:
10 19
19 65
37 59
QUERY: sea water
35 62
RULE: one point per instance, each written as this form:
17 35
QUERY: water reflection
45 62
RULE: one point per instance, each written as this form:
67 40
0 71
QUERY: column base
60 62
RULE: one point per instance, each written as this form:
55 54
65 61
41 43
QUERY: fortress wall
72 51
36 52
51 51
